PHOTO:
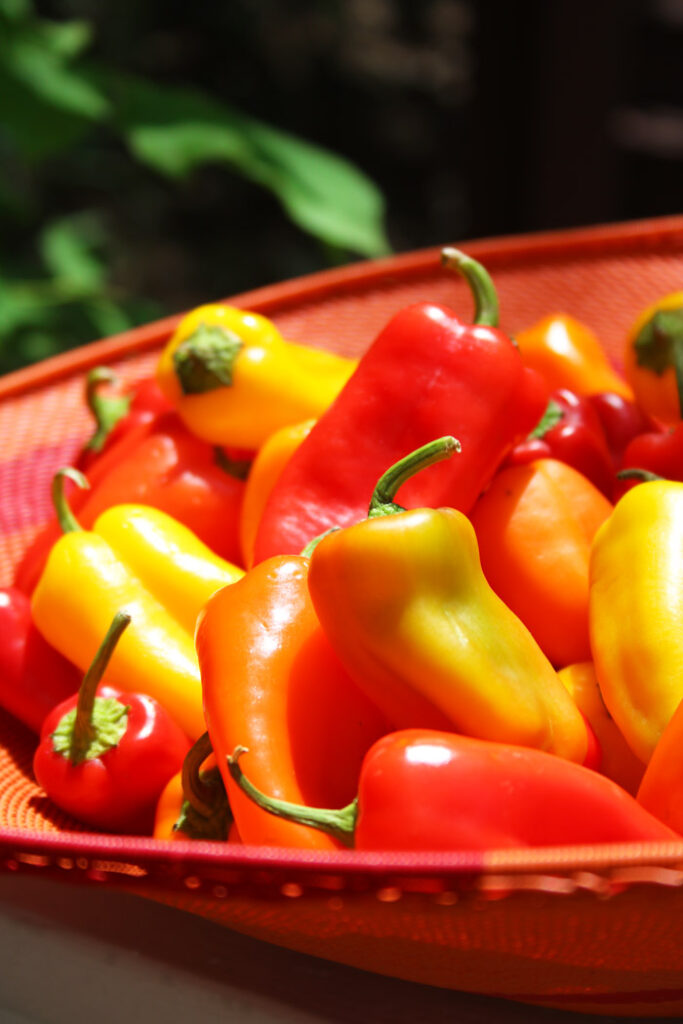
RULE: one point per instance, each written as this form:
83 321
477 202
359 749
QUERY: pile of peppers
428 599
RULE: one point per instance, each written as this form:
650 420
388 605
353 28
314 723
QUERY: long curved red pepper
427 374
428 790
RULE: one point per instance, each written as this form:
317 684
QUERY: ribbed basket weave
594 929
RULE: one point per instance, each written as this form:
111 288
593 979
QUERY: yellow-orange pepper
617 761
661 788
235 380
653 358
271 459
567 354
141 560
636 611
403 600
535 524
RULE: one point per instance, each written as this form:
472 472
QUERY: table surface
77 953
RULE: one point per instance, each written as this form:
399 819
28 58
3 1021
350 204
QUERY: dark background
472 118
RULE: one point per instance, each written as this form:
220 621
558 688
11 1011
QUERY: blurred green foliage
62 112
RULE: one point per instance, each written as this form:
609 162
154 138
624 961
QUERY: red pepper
621 420
34 677
426 375
167 468
428 790
659 452
120 414
105 756
570 430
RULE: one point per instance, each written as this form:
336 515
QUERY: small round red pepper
427 790
104 755
570 430
658 452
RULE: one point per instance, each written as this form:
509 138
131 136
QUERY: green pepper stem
67 520
197 793
341 824
205 360
633 473
106 411
83 731
660 346
486 311
382 502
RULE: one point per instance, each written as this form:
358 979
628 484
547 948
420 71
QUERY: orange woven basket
593 929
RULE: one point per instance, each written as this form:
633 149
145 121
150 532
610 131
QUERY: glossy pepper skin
234 379
34 677
165 468
270 461
277 684
118 412
405 604
104 755
622 420
570 430
427 374
140 560
428 790
653 358
661 788
636 610
568 354
617 760
535 525
658 452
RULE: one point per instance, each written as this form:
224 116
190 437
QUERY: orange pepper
271 459
535 525
568 354
653 358
272 683
661 789
617 762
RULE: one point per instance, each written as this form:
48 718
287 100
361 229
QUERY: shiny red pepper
427 790
622 420
34 677
104 755
119 414
167 468
658 452
426 375
570 430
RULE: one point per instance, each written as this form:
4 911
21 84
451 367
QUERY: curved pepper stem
106 410
486 311
84 728
660 346
341 824
382 502
67 520
196 792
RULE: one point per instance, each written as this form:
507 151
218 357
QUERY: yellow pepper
617 761
143 561
404 602
653 358
636 611
568 354
234 379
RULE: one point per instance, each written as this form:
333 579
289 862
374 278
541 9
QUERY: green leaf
176 130
37 54
67 248
15 10
34 125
